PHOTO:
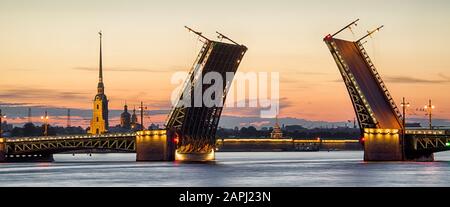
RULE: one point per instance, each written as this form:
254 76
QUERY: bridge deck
369 86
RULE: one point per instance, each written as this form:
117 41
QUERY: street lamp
45 118
404 106
142 108
1 123
429 109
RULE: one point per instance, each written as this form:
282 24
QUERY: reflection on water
230 169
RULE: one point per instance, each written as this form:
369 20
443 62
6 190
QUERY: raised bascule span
190 129
380 121
195 124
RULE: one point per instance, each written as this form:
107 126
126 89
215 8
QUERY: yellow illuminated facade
99 122
383 145
154 145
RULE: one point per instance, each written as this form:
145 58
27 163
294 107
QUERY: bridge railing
380 81
363 110
426 131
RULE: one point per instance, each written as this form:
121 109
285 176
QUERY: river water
265 169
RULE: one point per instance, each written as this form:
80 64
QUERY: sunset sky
49 50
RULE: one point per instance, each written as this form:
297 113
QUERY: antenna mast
222 36
369 33
68 118
29 115
197 33
349 25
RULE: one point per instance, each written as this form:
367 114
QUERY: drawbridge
380 121
193 123
190 128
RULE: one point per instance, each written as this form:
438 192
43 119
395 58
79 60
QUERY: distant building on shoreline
276 133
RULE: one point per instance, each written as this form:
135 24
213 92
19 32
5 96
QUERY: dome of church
125 118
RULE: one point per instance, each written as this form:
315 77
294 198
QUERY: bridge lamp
45 118
447 144
429 109
4 117
406 105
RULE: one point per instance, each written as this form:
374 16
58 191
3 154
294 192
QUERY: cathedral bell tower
99 122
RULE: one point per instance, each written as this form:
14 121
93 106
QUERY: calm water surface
344 168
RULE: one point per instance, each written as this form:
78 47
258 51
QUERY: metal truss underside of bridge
196 125
435 144
50 145
428 141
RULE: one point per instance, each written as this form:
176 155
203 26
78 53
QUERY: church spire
100 87
99 121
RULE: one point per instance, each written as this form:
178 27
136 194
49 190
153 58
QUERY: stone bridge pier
2 150
392 145
155 145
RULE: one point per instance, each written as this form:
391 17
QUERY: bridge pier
428 157
155 145
388 145
383 145
2 150
195 157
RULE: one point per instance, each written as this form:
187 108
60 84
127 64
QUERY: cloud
407 79
410 80
444 76
131 69
164 104
253 111
4 104
18 114
257 124
40 93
